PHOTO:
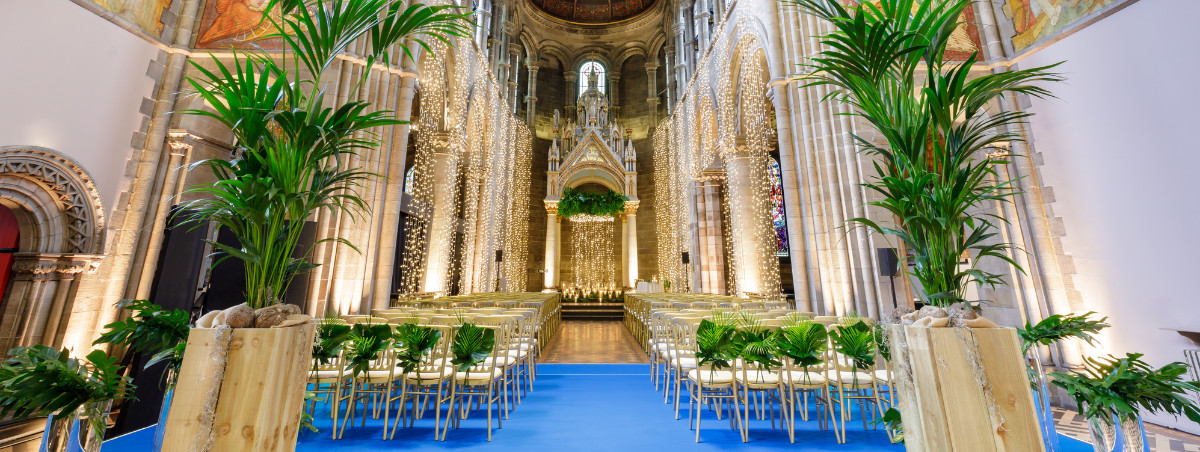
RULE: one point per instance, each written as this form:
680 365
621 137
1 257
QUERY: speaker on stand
889 265
499 260
686 275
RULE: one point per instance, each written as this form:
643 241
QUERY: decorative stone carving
67 182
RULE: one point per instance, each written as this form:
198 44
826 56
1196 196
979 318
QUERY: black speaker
174 286
888 262
686 258
499 255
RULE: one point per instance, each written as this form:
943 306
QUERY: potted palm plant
1113 392
935 175
41 381
293 145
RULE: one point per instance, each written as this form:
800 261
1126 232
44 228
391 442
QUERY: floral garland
575 202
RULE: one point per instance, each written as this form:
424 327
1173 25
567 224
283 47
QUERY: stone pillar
553 228
531 99
713 256
703 283
742 218
614 79
442 221
789 170
515 57
652 92
672 78
394 196
572 80
631 249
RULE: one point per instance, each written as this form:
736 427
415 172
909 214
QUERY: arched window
778 220
587 69
409 179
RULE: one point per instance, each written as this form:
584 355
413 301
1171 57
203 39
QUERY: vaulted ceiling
593 11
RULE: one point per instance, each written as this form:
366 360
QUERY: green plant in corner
151 329
293 141
41 381
935 174
1109 387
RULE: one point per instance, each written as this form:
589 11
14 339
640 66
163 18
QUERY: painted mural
235 23
964 41
145 14
1035 20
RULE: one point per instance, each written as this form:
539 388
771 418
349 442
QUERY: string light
592 257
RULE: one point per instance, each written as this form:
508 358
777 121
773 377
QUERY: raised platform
593 311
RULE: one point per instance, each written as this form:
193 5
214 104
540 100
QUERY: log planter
963 389
240 389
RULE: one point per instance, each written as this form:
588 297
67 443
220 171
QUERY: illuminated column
704 284
631 253
672 78
742 217
652 92
553 228
441 235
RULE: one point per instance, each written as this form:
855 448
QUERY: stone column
703 284
572 79
652 92
742 217
631 249
553 228
672 78
394 196
515 57
789 170
614 78
442 221
531 99
713 259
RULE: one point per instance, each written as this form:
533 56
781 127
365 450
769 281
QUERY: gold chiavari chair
432 380
482 381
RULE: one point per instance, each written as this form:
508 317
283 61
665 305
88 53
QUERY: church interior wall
92 106
1118 161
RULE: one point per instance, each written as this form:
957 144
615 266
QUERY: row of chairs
834 383
501 379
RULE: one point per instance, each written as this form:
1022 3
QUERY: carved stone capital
52 267
551 207
631 207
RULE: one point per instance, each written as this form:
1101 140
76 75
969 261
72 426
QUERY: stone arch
59 193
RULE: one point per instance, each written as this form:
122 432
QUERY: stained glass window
588 68
409 178
777 214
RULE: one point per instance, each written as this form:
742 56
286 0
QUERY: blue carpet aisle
585 407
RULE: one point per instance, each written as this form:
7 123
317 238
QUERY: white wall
1121 153
73 82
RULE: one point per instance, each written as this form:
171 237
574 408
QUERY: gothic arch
56 192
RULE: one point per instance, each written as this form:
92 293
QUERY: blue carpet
585 407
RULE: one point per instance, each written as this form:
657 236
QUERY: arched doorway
10 236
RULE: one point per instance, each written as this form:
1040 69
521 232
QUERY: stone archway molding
81 205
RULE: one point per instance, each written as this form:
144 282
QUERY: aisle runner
585 407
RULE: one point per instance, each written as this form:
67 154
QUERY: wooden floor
593 342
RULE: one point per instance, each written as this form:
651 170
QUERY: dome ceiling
593 11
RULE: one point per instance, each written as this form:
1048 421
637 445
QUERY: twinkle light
591 246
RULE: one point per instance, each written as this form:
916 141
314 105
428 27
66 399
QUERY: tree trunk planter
240 389
964 389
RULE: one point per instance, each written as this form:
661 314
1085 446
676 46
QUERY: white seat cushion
711 377
686 363
758 377
802 378
479 376
882 376
324 375
430 374
852 378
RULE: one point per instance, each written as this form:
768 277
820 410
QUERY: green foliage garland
575 202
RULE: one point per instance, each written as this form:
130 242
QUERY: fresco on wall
235 23
1035 20
963 42
146 14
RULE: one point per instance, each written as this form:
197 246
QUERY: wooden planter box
945 408
259 399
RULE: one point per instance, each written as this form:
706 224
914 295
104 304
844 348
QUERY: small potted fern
1113 392
76 396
